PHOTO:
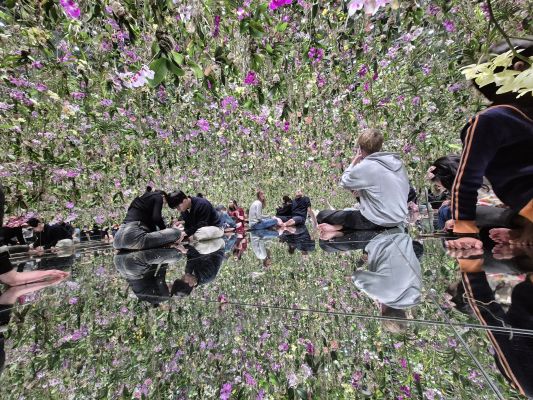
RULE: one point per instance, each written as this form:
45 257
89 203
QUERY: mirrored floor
274 315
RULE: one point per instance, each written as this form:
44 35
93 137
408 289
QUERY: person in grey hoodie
380 181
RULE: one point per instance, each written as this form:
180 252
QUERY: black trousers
349 219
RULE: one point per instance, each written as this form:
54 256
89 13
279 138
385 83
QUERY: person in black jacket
49 236
144 227
201 268
497 144
202 222
286 208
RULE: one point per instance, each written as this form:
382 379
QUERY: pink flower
69 205
71 8
274 4
73 300
203 124
449 25
222 298
251 79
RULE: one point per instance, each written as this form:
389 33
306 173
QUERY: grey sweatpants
132 236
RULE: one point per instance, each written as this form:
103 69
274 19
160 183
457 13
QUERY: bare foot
464 243
327 228
327 235
466 253
500 235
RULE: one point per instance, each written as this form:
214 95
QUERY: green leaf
175 69
281 27
178 57
160 69
196 69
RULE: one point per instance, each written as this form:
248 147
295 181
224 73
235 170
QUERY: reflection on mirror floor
273 315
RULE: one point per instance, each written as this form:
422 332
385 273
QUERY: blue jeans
265 223
227 221
445 213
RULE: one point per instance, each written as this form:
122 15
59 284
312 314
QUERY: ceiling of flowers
98 98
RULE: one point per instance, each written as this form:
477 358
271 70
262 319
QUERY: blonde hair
370 141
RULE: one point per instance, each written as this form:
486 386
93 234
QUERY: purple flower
403 362
69 205
422 136
71 8
260 394
78 95
274 4
416 376
124 310
310 348
449 25
73 300
106 102
225 391
283 347
356 379
455 87
315 55
37 64
203 124
362 71
320 80
249 379
407 148
216 27
426 69
406 390
251 79
416 101
452 343
433 9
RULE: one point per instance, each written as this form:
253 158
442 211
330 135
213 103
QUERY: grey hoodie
393 277
383 187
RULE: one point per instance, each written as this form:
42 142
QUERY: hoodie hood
391 161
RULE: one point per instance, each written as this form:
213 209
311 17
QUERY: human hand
449 225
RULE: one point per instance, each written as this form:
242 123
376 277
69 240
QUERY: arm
157 218
14 278
482 137
354 178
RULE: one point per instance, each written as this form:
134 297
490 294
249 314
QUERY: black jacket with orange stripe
497 144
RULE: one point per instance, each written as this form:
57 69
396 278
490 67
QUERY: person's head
299 193
235 204
394 325
178 200
261 196
232 207
149 188
286 199
489 91
370 141
36 224
442 171
184 286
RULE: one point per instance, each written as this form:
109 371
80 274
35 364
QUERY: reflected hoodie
383 187
393 276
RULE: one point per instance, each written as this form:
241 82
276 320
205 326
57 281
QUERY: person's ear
520 66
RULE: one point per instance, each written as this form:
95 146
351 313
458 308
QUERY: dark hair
489 91
287 199
446 169
235 203
33 222
174 199
201 195
148 188
181 287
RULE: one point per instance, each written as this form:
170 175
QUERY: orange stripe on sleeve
527 211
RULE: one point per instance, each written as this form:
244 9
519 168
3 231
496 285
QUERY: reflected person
392 277
145 271
204 260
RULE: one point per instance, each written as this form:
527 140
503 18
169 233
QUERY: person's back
147 210
383 187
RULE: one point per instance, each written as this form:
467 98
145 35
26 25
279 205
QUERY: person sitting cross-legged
257 219
201 221
300 209
381 182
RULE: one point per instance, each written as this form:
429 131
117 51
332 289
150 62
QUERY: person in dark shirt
199 270
144 227
285 210
201 220
497 144
301 207
299 239
7 234
48 236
